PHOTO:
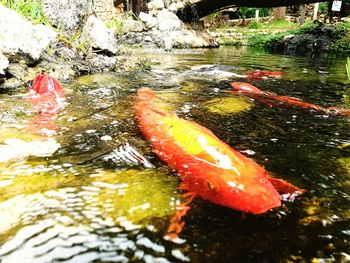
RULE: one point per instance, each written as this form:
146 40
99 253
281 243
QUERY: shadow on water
103 196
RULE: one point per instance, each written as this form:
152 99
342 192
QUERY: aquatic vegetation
228 105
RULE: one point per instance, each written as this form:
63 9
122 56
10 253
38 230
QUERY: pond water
84 186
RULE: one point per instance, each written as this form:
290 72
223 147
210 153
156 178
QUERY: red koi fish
46 94
260 74
273 99
208 167
47 97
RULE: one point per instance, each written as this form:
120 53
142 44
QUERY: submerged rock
228 105
15 149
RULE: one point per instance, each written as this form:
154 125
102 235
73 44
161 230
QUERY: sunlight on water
92 190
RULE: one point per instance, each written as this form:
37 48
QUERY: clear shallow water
102 196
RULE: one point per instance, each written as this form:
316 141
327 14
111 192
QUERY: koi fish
47 97
46 94
208 167
260 74
273 99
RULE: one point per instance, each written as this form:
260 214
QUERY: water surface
91 190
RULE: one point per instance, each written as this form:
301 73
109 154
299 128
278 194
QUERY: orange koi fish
273 99
47 97
208 167
260 74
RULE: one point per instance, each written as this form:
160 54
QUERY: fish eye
210 185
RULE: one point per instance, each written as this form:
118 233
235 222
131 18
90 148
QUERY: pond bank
71 41
311 38
27 49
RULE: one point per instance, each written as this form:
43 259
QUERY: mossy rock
228 105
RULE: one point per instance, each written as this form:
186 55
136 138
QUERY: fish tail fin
288 190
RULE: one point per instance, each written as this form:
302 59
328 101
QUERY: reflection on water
102 196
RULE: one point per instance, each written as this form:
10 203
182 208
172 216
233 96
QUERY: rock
149 20
131 25
4 63
19 149
154 6
168 21
172 7
69 16
23 40
188 39
104 10
103 63
98 35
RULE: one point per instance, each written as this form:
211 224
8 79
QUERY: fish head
46 94
145 94
252 194
44 84
244 87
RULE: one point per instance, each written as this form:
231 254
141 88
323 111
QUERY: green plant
28 8
341 38
255 25
323 7
116 24
348 67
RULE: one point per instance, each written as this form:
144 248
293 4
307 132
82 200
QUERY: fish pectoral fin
285 188
176 222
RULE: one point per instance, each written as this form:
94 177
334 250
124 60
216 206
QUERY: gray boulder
4 63
150 21
168 21
99 36
20 40
69 16
131 25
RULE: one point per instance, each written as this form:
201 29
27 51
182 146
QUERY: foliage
266 40
116 24
226 41
323 7
213 17
348 68
270 40
248 12
28 8
278 24
341 38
